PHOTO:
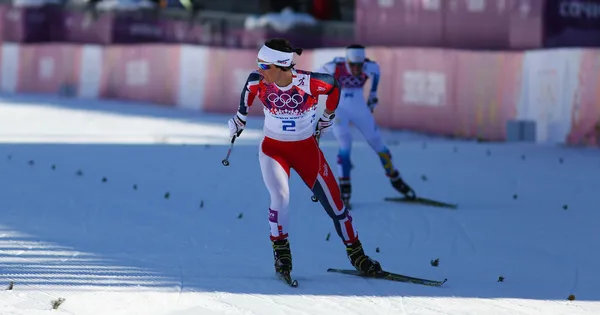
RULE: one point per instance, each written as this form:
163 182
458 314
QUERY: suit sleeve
328 68
374 74
326 84
249 92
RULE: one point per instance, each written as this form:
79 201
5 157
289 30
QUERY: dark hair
283 45
355 46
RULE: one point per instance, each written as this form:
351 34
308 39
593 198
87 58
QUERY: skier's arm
249 93
328 68
325 84
238 122
373 73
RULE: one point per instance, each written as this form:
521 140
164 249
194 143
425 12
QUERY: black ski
423 201
288 279
386 275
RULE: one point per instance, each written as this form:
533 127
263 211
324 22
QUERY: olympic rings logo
291 101
352 80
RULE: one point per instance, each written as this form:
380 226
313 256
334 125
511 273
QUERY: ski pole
225 161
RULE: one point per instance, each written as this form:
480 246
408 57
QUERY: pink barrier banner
585 129
448 92
228 72
486 90
48 68
423 90
141 73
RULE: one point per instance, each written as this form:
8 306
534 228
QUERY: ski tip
294 284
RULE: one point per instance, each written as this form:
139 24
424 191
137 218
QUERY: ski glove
237 125
324 122
372 101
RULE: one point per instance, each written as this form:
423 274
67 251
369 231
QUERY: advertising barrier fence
572 23
458 24
465 24
455 93
52 23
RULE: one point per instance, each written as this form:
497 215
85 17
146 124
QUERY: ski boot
402 186
360 261
346 190
283 257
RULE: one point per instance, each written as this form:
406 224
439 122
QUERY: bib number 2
288 125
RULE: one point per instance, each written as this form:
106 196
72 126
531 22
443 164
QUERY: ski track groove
267 298
429 229
462 231
348 309
431 309
282 303
377 294
576 280
328 304
218 304
180 265
392 305
576 273
514 307
390 231
467 236
401 302
180 290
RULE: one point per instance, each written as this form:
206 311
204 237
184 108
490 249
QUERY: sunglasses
355 64
264 65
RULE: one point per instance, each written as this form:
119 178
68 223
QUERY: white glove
324 122
236 125
372 101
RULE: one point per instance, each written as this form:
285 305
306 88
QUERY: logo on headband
282 61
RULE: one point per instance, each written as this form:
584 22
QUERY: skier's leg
275 172
314 170
310 164
342 132
365 122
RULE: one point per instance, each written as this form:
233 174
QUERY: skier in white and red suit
290 98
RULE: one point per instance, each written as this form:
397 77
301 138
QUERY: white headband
275 57
355 54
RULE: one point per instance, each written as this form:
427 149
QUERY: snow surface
107 248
